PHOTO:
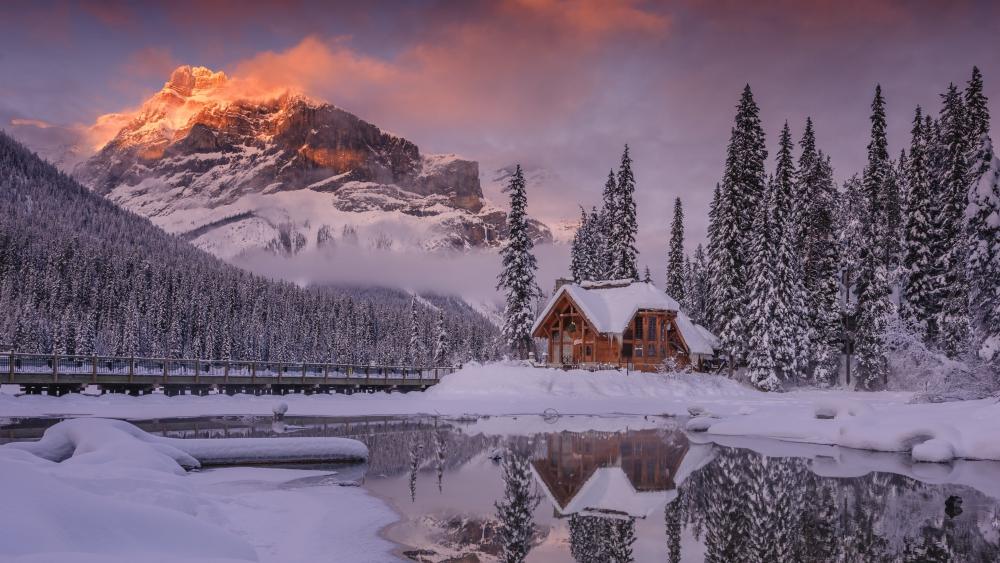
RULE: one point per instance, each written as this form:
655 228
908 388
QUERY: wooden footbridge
57 375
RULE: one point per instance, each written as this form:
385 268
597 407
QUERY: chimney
561 282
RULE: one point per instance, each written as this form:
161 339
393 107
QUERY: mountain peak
186 80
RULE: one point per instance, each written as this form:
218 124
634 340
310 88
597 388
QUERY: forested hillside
79 275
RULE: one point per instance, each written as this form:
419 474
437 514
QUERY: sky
557 85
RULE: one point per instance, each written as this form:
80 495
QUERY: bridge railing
78 367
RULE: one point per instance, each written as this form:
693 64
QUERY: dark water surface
640 489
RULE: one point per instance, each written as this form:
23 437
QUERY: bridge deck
52 372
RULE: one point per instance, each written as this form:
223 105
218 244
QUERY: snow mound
518 380
98 440
931 432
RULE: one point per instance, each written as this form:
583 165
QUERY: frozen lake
607 486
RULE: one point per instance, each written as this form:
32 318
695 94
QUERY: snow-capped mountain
286 173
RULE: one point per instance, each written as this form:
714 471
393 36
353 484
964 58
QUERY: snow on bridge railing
76 367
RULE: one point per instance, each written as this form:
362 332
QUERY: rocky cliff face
285 173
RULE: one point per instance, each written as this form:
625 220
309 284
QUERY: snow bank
930 432
86 440
94 490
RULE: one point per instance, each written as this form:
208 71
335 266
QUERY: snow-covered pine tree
609 217
625 226
515 510
675 254
917 305
776 314
874 306
577 249
977 123
983 228
646 276
517 277
699 288
740 196
761 363
442 345
953 322
713 252
814 217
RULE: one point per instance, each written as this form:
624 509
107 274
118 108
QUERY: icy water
640 489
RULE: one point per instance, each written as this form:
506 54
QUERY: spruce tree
983 228
675 255
625 226
646 276
609 217
953 323
739 198
442 346
917 305
762 370
874 307
699 288
578 249
517 278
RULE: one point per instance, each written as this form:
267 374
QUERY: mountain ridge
196 153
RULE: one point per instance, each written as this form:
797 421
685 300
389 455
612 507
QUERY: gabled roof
611 305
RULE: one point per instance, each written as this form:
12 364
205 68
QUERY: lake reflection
637 489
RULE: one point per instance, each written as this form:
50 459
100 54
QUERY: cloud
38 123
471 275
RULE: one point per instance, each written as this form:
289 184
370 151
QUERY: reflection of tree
672 516
439 454
749 507
416 448
601 538
514 510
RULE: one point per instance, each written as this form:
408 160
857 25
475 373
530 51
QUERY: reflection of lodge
631 473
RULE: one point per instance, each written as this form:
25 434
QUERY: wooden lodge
620 323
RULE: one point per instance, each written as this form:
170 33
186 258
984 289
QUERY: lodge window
652 328
638 328
587 350
652 350
638 350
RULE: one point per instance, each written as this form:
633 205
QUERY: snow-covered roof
610 306
698 339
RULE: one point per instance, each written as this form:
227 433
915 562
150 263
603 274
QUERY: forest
81 276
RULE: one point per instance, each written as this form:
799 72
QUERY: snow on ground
874 421
119 497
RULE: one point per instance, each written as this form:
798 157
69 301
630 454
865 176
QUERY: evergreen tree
515 510
625 223
517 278
442 346
609 217
698 288
776 314
578 250
414 349
675 255
983 229
917 304
646 276
816 219
740 197
953 322
874 307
